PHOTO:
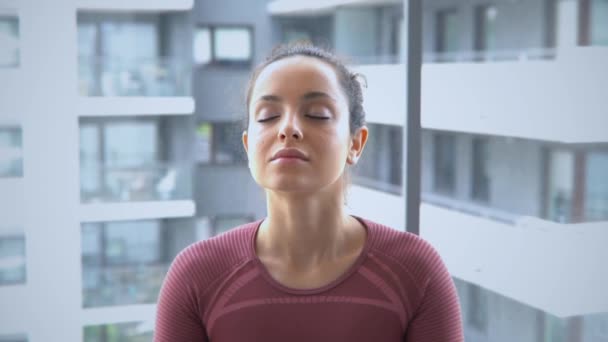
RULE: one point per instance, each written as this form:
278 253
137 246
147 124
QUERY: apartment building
514 149
120 129
96 165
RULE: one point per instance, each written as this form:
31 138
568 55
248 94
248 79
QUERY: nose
289 128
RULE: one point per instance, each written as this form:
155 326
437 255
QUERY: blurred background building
120 144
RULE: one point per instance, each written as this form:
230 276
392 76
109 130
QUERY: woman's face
297 102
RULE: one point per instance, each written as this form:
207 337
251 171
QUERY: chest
312 319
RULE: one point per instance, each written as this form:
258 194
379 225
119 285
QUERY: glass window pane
380 164
596 187
447 31
599 22
444 170
12 259
122 160
232 44
561 185
125 262
132 332
227 146
480 177
202 46
11 153
9 40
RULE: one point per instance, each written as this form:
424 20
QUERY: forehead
297 75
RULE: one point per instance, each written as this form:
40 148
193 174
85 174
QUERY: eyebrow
306 97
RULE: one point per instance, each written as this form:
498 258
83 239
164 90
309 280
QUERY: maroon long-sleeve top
398 289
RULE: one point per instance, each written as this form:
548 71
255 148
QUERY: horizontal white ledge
135 5
562 100
104 212
378 206
134 106
557 268
119 314
315 7
13 310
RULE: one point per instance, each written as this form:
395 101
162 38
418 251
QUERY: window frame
219 62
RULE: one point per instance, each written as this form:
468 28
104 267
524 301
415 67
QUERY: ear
357 143
245 143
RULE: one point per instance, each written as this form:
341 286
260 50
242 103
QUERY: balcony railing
122 284
491 56
104 76
156 182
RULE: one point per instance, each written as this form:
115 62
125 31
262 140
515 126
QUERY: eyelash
310 116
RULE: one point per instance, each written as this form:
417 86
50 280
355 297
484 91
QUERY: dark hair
349 81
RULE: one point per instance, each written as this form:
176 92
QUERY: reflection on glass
12 259
380 165
9 40
11 154
120 160
125 262
132 332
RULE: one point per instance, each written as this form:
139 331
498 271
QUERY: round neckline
352 269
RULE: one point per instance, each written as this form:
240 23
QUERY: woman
308 271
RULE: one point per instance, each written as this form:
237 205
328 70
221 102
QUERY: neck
306 231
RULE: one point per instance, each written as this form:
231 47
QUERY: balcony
115 87
126 192
135 183
503 257
513 99
318 7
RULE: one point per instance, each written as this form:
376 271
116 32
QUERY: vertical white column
50 144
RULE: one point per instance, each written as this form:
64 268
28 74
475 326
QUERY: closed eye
318 117
268 119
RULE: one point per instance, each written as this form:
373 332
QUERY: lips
289 153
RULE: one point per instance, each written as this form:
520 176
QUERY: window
123 160
9 39
561 186
11 154
380 165
444 172
120 55
447 35
137 331
596 186
124 262
480 178
219 143
477 308
485 28
12 259
599 22
229 45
